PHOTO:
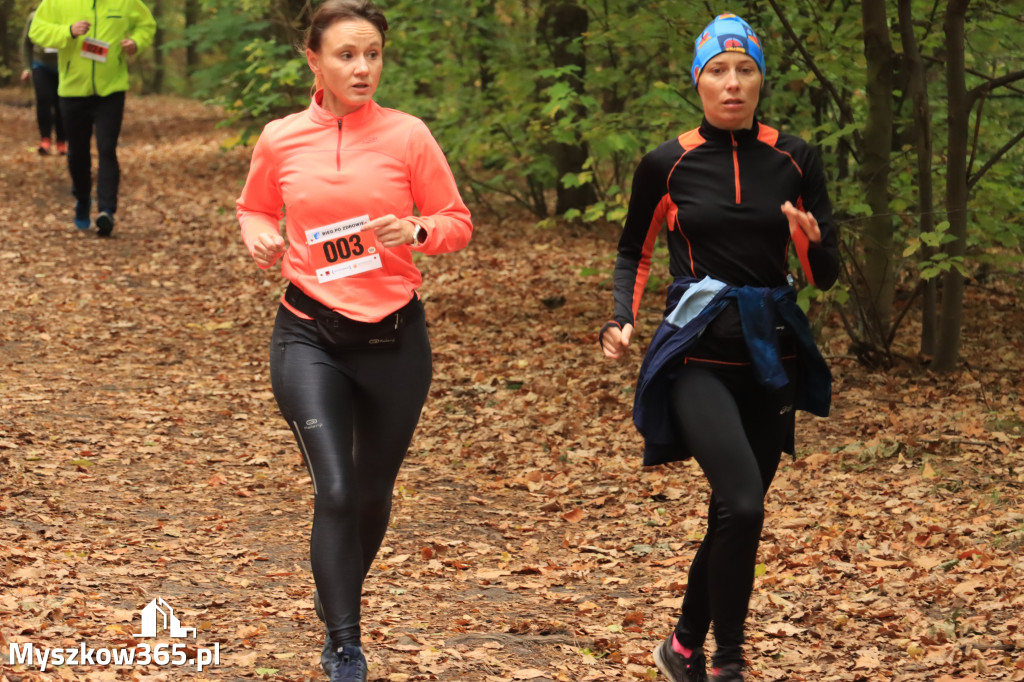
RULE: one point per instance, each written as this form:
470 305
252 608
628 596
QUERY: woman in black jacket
734 356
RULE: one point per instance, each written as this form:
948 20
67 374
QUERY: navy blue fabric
45 80
759 307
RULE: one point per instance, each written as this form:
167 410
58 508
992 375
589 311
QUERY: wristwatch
420 234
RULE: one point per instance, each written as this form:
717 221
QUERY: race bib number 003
95 50
341 249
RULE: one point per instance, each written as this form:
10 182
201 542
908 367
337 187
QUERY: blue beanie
727 33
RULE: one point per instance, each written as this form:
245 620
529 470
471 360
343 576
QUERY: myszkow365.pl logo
156 616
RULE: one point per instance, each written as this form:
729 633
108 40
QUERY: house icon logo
159 611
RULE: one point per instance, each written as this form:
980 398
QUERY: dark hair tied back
337 10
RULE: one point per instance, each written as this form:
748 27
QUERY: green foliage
246 69
482 74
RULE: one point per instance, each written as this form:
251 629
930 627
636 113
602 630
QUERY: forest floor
142 457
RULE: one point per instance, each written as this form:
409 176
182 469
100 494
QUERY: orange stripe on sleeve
802 244
643 269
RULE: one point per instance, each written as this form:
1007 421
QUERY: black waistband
307 305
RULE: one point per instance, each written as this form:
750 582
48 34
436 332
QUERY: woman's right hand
25 75
268 248
615 341
80 28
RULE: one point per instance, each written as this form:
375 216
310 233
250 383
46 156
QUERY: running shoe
351 665
104 223
732 672
328 656
62 147
679 668
82 221
44 146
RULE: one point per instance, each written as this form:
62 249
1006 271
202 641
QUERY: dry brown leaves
143 457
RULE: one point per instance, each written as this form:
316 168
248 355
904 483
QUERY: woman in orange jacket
350 360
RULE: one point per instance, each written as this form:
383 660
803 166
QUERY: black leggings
353 414
44 81
736 430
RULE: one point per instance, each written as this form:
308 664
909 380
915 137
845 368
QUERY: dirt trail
143 457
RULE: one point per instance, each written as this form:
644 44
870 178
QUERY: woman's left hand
801 220
391 231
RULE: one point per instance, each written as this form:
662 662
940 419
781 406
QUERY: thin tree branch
992 84
891 338
972 72
494 188
847 115
995 159
977 135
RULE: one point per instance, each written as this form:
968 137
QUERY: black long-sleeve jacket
719 192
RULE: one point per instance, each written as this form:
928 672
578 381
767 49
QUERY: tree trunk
156 83
289 17
958 115
191 54
877 237
484 41
9 49
562 26
918 89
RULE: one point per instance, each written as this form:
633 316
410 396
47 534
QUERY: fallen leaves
143 456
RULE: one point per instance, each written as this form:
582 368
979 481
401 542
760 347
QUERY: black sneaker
104 224
679 668
350 666
732 672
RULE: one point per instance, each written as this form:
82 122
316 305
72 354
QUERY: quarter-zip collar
733 139
358 118
345 125
711 133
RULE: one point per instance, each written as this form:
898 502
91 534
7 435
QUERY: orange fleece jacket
323 170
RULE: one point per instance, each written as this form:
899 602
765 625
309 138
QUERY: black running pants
81 116
736 430
353 414
44 82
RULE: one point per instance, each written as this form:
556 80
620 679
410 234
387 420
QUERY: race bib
95 50
342 250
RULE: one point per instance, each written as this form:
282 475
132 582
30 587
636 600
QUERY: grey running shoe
328 657
679 668
351 665
732 672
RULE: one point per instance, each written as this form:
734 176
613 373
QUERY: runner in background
734 355
350 360
41 66
94 39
